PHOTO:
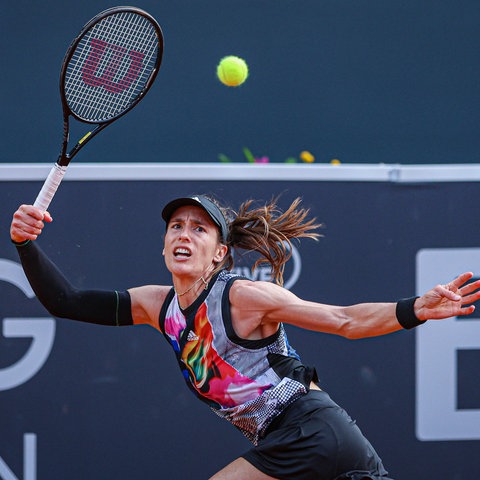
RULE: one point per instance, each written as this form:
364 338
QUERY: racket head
110 65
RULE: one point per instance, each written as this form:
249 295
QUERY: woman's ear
220 254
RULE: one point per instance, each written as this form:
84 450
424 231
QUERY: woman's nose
183 235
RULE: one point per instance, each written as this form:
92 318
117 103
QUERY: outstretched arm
51 287
255 305
140 305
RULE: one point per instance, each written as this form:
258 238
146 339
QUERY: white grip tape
50 187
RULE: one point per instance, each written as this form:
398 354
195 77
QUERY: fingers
466 311
460 280
455 291
468 298
446 292
469 288
31 211
470 292
28 223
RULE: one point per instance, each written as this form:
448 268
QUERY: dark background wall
111 403
364 81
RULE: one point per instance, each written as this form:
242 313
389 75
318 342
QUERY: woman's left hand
450 300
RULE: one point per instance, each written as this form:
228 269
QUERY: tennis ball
232 71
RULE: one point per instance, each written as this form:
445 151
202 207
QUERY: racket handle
50 187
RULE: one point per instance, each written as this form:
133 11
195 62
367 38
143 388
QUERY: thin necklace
188 289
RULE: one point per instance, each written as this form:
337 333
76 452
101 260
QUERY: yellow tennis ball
232 71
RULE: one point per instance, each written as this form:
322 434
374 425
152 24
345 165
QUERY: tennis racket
107 70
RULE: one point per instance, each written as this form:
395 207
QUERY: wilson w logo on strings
106 66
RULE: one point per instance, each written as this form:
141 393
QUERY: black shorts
315 439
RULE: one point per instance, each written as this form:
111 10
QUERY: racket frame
65 157
57 172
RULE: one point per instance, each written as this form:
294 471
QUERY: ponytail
268 231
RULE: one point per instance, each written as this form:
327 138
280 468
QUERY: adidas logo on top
192 336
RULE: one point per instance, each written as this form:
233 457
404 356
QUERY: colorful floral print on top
246 382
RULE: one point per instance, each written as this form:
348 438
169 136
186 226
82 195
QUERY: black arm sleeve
62 299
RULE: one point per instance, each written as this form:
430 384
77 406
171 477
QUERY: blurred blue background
364 81
110 403
360 81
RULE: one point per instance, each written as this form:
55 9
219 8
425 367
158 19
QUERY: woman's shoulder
149 291
147 301
245 290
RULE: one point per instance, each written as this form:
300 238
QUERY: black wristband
406 314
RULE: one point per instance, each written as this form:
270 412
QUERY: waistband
313 400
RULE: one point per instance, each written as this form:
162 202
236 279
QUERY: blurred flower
307 157
262 160
248 155
223 158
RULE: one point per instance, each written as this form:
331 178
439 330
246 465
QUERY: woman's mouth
182 252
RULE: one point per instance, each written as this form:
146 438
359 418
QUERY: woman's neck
189 289
187 294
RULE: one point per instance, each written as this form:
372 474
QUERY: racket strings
121 95
118 37
110 66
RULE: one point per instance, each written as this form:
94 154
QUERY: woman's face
192 245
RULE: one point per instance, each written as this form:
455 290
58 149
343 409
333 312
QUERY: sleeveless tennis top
247 382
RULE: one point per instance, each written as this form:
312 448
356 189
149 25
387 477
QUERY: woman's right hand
27 223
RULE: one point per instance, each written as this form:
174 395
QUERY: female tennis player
228 332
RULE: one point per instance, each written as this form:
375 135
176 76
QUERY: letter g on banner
41 330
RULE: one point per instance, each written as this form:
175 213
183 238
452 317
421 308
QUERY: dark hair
267 230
